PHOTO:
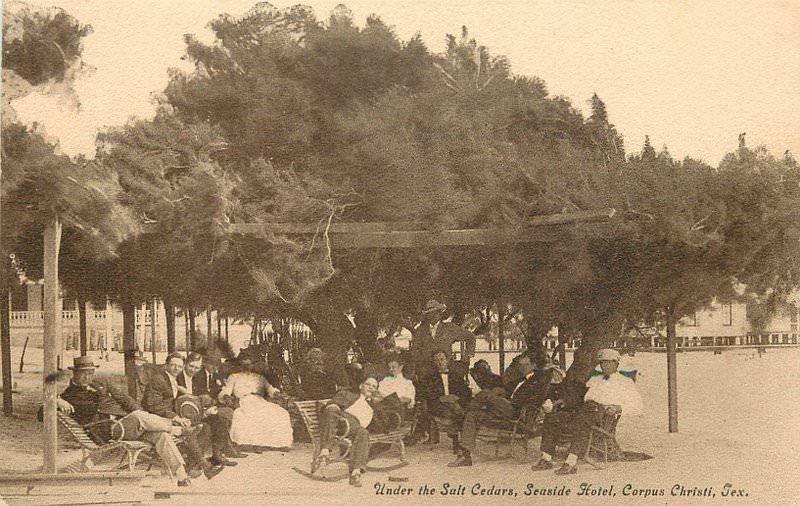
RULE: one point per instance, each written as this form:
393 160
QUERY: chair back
77 431
310 412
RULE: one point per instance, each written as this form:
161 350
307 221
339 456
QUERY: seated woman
396 383
256 421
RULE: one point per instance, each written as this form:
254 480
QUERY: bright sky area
692 75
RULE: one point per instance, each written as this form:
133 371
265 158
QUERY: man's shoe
222 461
212 471
567 469
355 480
194 472
464 460
184 483
542 465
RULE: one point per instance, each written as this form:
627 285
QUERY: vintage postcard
492 252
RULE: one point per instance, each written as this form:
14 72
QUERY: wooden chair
92 452
603 439
312 413
527 425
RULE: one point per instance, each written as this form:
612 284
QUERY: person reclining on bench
609 390
356 409
89 400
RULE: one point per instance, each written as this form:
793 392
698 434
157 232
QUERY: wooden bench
311 412
92 452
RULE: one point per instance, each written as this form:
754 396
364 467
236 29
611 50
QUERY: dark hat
82 364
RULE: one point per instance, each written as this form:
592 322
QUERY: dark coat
317 385
101 397
158 398
534 390
203 383
488 380
433 388
447 333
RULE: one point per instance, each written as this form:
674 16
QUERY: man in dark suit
159 399
446 394
355 408
483 376
531 390
197 380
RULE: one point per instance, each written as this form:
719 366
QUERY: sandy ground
739 425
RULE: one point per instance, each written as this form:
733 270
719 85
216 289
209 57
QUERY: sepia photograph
400 252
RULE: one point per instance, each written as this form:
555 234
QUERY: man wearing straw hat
88 400
608 391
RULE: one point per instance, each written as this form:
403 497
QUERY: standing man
198 381
433 335
88 399
159 399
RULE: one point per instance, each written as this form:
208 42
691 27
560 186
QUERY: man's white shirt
361 410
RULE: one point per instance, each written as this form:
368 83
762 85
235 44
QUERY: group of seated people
234 415
229 415
459 400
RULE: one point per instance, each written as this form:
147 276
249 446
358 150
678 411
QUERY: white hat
608 354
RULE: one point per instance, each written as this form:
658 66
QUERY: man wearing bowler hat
434 335
89 399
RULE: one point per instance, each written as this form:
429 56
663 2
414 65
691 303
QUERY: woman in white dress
257 422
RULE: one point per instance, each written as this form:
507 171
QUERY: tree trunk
219 327
208 325
50 343
153 305
186 337
129 345
192 331
5 348
82 325
501 337
227 337
366 333
672 370
169 313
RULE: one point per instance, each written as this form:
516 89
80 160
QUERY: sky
690 74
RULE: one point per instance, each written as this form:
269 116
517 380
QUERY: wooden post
501 341
153 307
50 344
82 325
227 337
5 348
22 355
219 327
672 371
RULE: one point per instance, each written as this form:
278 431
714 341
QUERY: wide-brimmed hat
82 364
434 305
608 354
